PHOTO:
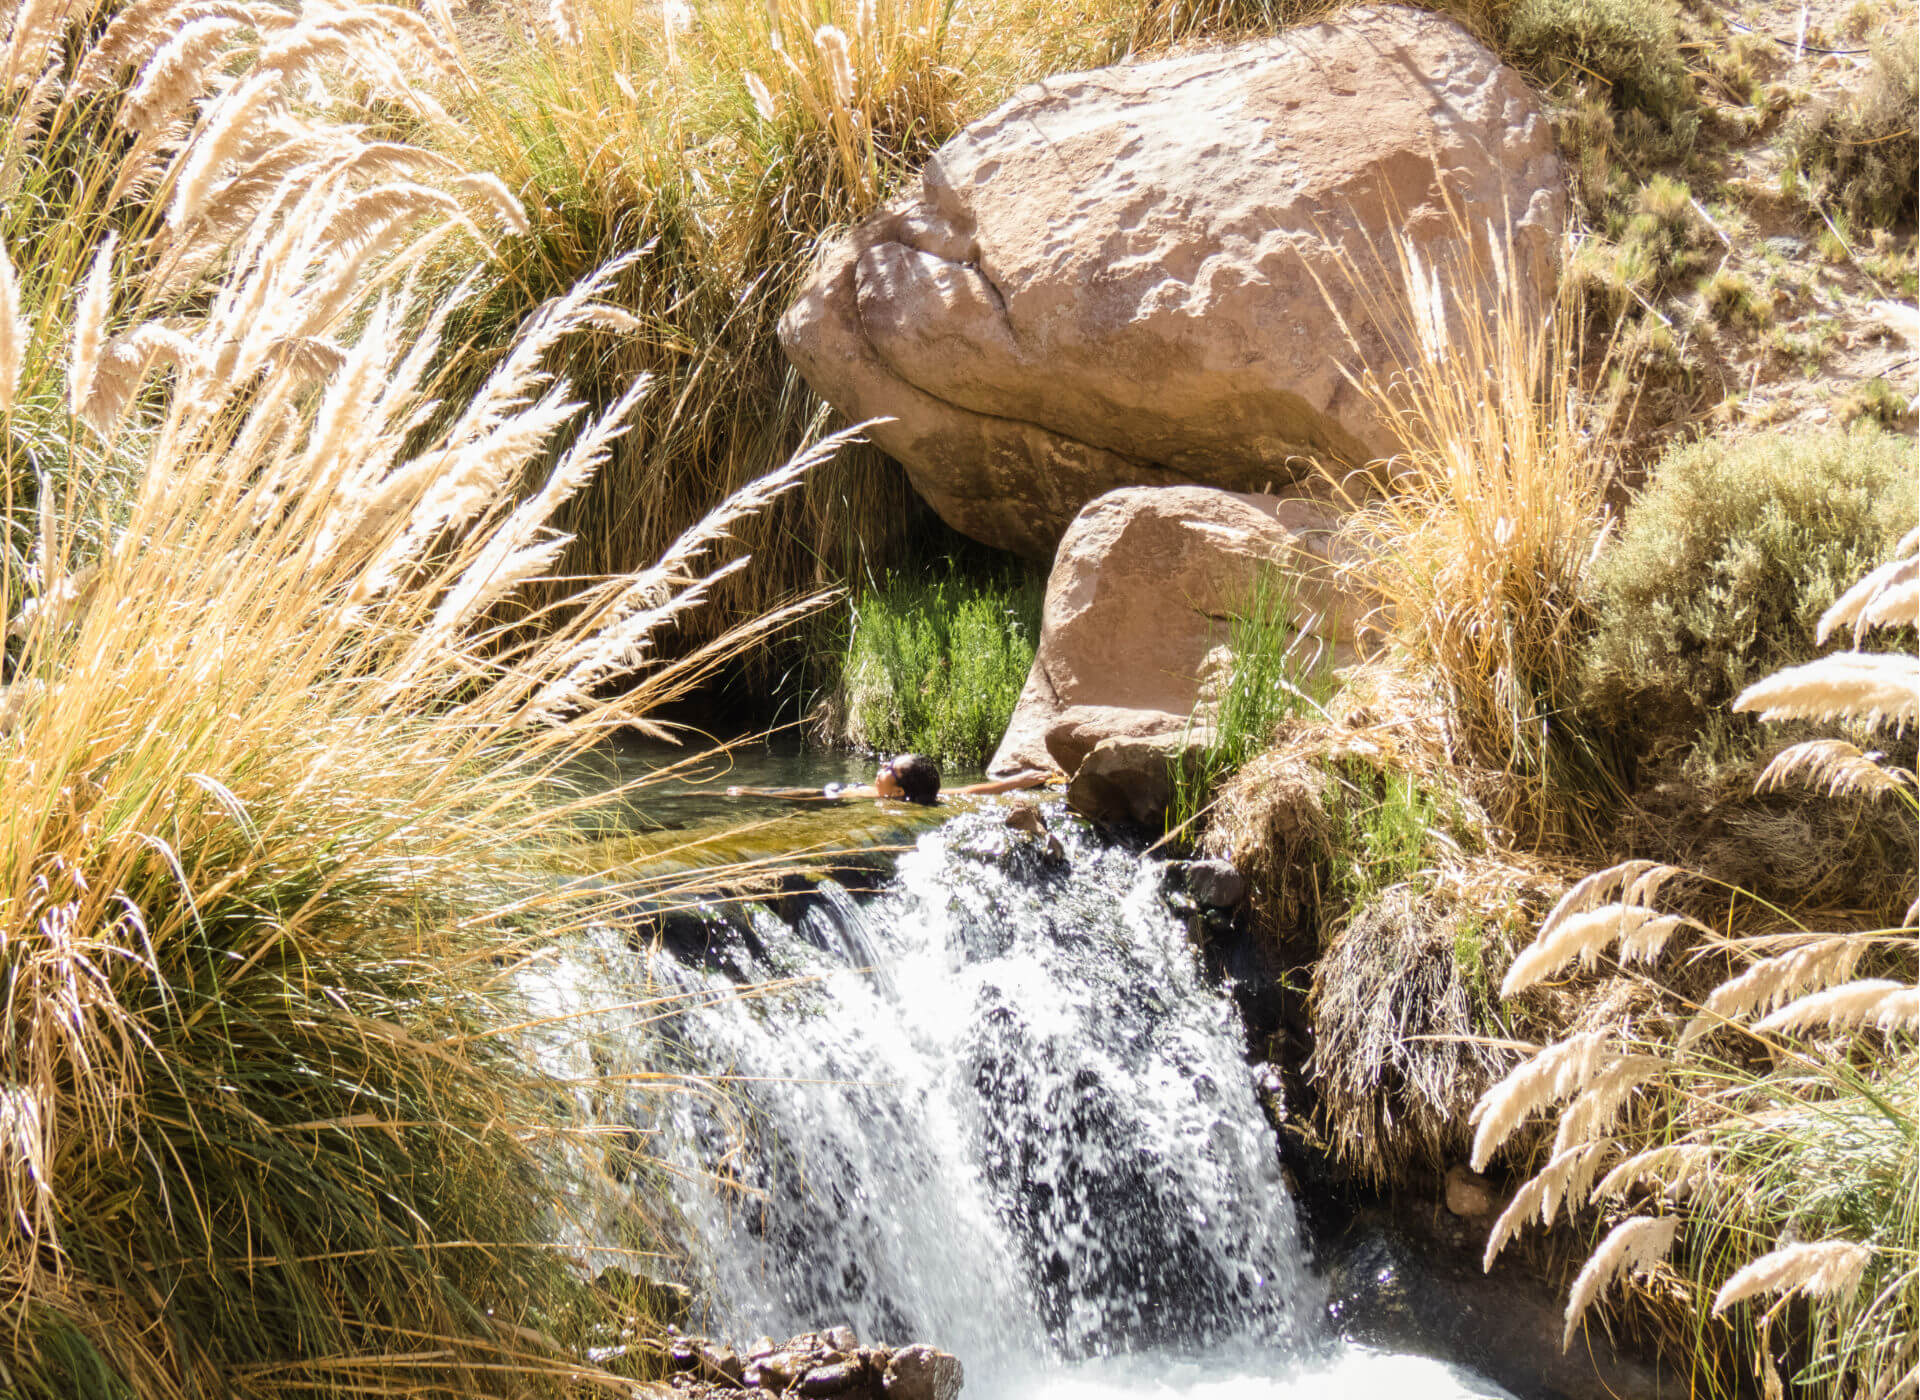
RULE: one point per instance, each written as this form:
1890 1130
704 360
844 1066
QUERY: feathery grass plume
1772 982
1877 1002
90 327
1675 1169
37 27
1632 1244
225 129
1834 765
14 332
762 98
832 44
177 72
1847 685
1552 1074
564 23
1821 1269
1593 1110
1642 933
1887 597
127 361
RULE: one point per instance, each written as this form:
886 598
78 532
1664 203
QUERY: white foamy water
997 1108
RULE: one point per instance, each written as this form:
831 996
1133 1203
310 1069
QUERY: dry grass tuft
1483 549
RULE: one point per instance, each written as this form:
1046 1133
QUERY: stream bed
992 1103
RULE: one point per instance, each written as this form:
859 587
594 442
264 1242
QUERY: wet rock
1469 1194
835 1379
1130 782
1027 818
921 1373
1136 614
775 1372
1214 884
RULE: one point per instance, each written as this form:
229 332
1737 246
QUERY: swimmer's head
911 777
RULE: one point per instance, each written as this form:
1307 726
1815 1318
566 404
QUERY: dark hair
919 779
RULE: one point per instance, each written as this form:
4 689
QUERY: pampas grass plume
1887 597
1563 1068
1885 1005
90 327
1848 685
1821 1269
762 99
1634 1243
1774 981
832 43
1833 764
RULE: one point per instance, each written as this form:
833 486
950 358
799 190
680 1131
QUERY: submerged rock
1131 276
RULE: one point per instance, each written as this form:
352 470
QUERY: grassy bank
935 667
1552 700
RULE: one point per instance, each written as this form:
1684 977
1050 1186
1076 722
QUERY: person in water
909 777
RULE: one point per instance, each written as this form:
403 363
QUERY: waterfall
995 1105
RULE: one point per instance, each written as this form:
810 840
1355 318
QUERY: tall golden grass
277 780
1773 1131
1483 546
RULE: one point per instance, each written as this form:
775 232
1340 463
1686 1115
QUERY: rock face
1138 612
1123 277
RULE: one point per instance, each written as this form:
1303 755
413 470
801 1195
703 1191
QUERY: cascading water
994 1106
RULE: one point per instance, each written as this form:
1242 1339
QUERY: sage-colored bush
1727 556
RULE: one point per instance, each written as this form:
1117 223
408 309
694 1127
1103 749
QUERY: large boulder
1131 276
1139 612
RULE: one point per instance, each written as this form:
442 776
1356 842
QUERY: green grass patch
1276 672
935 666
1383 827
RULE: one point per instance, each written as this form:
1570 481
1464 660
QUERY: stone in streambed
838 1378
922 1373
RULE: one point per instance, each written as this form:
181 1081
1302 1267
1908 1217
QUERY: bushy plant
1766 1131
936 666
1861 156
1631 47
1725 556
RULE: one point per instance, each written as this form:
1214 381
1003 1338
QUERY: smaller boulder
1469 1194
1127 781
921 1373
1215 884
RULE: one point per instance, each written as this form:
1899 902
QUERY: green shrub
1862 156
1727 557
936 666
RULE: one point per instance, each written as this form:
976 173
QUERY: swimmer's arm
831 793
1031 779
